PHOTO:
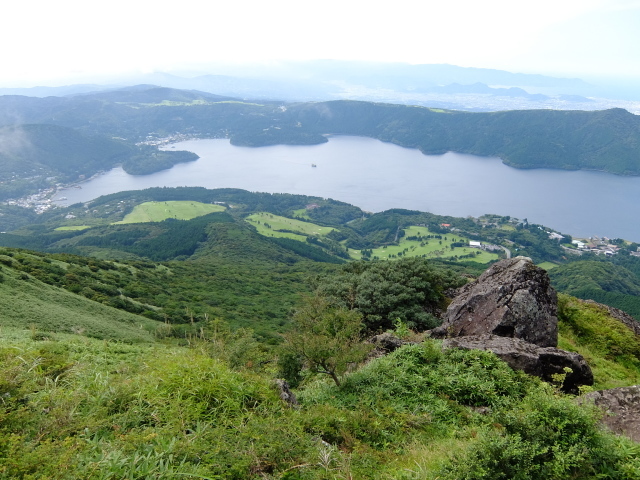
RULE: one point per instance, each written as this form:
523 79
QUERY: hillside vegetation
606 140
74 408
35 157
310 232
142 369
27 303
615 284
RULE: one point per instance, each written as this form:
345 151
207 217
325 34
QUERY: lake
376 176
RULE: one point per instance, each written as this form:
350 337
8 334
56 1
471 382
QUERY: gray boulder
542 362
621 408
513 298
287 396
386 342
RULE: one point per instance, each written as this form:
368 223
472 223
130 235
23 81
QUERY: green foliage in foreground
326 338
76 408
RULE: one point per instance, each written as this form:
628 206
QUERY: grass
271 225
430 248
547 265
159 211
302 213
609 347
75 407
29 303
73 227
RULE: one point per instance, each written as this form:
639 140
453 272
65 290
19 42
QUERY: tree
409 289
327 337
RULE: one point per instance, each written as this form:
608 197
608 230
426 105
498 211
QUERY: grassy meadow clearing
73 228
271 225
159 211
414 243
547 265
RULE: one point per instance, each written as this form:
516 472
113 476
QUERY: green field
302 213
159 211
547 265
74 227
271 225
431 248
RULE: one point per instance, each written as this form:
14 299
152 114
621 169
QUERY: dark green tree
410 289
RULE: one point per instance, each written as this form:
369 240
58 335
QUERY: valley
165 331
356 170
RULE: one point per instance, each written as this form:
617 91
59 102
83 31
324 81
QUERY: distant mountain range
442 86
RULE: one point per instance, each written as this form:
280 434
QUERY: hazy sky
54 42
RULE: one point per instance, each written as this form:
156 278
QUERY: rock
621 407
387 342
618 314
513 298
286 394
542 362
384 344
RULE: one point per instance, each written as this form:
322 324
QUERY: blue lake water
377 176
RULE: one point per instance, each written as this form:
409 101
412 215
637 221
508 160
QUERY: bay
377 176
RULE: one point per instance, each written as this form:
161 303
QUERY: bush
547 436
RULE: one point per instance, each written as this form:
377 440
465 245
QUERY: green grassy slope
610 348
99 410
28 303
159 211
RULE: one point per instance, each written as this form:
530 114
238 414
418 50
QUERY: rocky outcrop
383 344
513 298
542 362
621 408
286 394
386 342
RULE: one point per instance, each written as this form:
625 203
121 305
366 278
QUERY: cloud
13 140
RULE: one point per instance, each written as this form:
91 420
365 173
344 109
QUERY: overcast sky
71 41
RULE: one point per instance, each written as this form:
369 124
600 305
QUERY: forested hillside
603 140
252 233
36 157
